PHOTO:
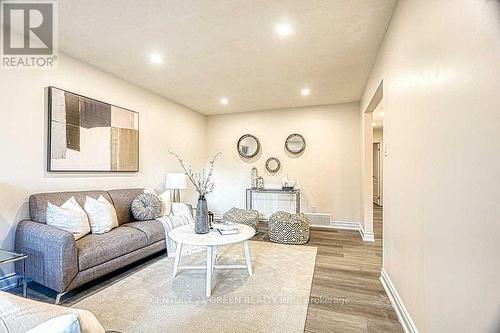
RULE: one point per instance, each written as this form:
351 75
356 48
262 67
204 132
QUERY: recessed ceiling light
305 92
224 101
155 58
283 29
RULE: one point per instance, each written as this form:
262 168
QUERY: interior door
376 173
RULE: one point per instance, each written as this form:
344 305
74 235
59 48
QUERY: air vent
319 220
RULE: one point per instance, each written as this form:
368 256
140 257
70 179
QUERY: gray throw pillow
146 206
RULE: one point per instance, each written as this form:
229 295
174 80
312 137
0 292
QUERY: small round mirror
248 146
273 165
295 144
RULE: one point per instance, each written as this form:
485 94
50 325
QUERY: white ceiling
228 48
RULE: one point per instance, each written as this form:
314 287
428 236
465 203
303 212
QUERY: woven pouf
242 216
287 228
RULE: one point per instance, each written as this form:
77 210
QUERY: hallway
347 271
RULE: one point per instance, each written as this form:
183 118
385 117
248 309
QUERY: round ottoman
287 228
242 216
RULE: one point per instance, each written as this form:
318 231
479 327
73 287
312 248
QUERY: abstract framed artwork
87 135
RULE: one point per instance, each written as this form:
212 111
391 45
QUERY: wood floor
350 268
346 275
346 294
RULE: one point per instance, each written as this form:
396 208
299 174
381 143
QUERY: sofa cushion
95 249
122 200
153 229
38 202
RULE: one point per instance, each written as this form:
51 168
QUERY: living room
189 166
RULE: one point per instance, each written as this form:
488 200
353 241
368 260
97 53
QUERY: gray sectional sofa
57 261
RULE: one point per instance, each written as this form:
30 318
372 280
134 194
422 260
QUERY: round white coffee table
185 235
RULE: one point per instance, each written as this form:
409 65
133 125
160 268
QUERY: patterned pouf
287 228
242 216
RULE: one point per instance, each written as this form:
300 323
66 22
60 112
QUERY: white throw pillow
101 213
63 324
166 203
70 217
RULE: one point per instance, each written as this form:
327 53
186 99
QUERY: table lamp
176 181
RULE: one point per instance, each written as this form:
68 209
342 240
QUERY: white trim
397 304
318 226
348 225
8 282
367 236
345 225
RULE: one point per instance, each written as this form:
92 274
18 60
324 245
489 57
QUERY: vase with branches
204 184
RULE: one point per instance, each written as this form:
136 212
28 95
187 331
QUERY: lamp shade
176 181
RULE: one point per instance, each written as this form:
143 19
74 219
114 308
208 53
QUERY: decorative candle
260 183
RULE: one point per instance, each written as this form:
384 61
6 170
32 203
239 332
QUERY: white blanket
182 210
179 216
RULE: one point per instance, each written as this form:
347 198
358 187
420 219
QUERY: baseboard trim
318 226
397 304
8 282
345 225
367 236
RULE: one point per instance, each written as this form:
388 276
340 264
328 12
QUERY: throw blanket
179 216
182 210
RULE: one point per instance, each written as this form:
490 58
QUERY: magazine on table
226 228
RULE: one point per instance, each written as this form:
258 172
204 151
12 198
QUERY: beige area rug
274 299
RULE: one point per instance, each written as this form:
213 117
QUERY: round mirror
295 144
273 165
248 146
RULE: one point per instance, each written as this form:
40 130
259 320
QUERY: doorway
370 121
377 184
378 157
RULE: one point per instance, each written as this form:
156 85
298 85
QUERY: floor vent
319 220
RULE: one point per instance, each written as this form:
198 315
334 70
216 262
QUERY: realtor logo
29 38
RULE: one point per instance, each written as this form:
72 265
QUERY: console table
252 192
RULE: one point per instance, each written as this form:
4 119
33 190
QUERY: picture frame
89 135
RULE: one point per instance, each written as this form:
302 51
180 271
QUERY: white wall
163 125
327 172
440 67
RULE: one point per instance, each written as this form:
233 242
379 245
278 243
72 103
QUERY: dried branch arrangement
202 180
